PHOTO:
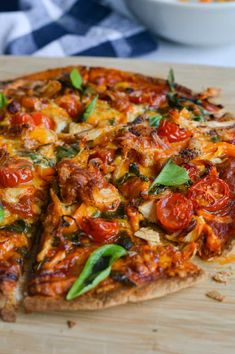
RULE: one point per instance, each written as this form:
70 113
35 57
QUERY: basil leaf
199 118
124 240
133 171
118 213
67 151
89 109
2 213
3 100
215 138
157 189
171 175
155 120
97 268
38 159
19 226
171 80
76 79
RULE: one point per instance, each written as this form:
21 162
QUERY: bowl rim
193 5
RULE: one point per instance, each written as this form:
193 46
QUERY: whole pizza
110 183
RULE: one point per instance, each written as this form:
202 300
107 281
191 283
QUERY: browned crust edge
55 72
98 301
7 309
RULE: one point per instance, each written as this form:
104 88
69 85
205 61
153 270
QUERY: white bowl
190 23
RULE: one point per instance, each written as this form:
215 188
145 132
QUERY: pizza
110 184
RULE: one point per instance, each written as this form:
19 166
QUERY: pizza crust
98 301
7 309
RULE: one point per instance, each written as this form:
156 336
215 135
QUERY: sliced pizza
141 179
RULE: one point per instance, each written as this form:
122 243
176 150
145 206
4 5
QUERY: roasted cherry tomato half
24 206
174 212
15 172
101 230
192 170
71 104
211 194
172 131
41 119
34 119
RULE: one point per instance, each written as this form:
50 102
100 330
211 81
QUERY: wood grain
184 323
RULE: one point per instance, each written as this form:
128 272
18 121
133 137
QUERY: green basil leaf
171 175
3 100
215 138
118 213
97 268
38 159
133 171
157 189
2 213
67 151
199 118
19 226
89 109
76 79
155 120
171 80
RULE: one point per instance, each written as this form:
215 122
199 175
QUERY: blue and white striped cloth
70 27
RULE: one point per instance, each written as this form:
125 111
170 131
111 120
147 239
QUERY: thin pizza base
7 309
98 301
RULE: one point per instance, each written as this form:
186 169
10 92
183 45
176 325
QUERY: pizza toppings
96 269
211 194
171 175
15 172
99 229
32 120
172 131
76 79
138 186
3 100
174 212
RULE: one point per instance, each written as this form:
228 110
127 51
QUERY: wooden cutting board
187 322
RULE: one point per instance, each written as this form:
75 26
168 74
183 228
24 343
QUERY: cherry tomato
101 230
211 194
28 102
33 119
71 104
172 131
174 211
24 206
192 171
21 119
15 172
39 119
147 96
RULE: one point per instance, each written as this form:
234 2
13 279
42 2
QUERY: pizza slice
91 259
28 133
